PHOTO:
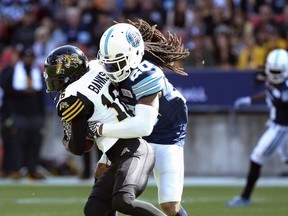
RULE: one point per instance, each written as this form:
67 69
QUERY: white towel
20 79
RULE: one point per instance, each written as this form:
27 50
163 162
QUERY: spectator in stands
263 20
23 32
252 56
8 59
131 9
109 7
201 50
154 13
214 20
60 8
5 31
56 33
283 24
42 45
274 40
76 32
205 7
240 25
250 8
28 110
277 6
236 46
180 18
226 7
223 55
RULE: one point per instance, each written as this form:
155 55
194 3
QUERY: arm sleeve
76 110
140 125
78 136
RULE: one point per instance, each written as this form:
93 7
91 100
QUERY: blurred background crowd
219 33
223 34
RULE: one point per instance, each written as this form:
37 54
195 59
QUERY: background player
275 137
135 68
67 72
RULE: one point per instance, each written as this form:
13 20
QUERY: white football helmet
121 49
276 67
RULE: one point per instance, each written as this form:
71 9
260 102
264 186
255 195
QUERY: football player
86 96
274 139
133 55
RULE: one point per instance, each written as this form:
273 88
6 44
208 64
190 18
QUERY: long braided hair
161 50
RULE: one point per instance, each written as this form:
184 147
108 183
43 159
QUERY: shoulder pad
69 107
151 84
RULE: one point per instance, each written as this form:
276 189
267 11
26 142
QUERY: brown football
89 144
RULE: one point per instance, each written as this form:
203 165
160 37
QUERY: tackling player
274 139
87 96
133 55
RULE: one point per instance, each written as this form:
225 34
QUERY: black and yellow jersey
92 98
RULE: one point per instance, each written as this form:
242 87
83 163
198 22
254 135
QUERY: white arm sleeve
141 124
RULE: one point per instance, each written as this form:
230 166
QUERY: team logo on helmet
133 38
67 61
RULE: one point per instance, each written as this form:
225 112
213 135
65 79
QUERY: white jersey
95 90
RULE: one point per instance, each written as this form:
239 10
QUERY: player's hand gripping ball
91 134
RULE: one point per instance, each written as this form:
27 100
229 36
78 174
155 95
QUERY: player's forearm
78 136
141 124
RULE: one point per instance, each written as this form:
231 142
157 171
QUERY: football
89 144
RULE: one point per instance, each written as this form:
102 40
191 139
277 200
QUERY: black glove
93 130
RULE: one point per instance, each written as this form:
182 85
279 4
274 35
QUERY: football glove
93 130
243 101
67 133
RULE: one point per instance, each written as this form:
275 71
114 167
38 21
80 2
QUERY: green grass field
23 200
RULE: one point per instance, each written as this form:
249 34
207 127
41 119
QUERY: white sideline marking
56 201
189 181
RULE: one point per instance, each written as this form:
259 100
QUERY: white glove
243 101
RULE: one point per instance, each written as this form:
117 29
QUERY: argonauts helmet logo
67 61
133 38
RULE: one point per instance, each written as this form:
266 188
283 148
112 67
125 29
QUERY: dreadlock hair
161 50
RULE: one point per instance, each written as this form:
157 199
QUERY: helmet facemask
276 76
121 51
276 67
117 69
53 81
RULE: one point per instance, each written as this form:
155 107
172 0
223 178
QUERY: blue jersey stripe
147 80
152 85
106 41
150 91
150 81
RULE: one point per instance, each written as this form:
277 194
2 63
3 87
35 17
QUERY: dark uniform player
86 96
274 139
